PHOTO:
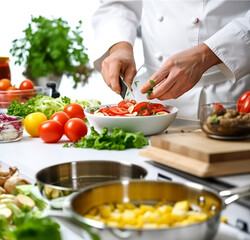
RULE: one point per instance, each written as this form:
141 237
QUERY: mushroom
11 183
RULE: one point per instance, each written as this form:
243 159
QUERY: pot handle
236 193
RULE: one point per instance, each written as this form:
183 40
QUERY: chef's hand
120 62
180 73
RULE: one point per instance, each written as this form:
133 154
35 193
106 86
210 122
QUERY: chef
195 51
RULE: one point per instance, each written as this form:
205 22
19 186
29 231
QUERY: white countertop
31 155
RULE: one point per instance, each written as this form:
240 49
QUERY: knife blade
126 92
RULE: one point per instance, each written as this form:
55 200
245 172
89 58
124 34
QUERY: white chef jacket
171 26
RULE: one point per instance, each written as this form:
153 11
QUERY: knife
126 92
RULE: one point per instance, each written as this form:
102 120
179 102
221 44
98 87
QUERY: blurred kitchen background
16 15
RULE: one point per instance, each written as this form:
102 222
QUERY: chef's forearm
121 45
208 57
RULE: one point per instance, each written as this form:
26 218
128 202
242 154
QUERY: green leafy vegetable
27 190
4 226
40 103
45 104
52 46
88 103
29 227
118 140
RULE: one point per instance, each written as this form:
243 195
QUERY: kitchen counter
31 154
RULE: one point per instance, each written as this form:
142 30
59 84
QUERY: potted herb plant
51 48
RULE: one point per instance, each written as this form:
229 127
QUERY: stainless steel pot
140 191
63 179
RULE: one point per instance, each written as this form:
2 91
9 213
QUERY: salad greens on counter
27 223
45 104
118 140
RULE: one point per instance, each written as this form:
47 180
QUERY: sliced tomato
105 111
123 104
126 104
157 107
133 102
142 105
118 110
144 112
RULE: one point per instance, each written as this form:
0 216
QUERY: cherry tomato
74 110
26 84
218 106
61 117
118 110
75 129
243 103
4 84
157 107
51 131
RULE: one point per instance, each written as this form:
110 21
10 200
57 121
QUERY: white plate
149 125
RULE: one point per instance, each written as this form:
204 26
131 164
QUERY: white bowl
149 125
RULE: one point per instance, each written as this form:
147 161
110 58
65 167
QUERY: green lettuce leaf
118 140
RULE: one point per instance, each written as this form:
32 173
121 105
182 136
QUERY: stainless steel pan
209 201
62 179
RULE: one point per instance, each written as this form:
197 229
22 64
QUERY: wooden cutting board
193 152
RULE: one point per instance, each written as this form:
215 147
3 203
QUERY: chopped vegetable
118 140
130 108
153 84
10 127
146 216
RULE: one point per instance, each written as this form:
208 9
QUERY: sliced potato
6 212
23 200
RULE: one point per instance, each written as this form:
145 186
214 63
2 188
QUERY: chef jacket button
160 18
195 20
159 57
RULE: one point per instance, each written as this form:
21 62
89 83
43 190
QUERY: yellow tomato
32 123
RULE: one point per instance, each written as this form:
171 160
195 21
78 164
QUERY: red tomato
50 131
61 117
243 103
123 104
142 106
157 107
26 84
118 110
127 103
75 129
106 111
74 110
4 84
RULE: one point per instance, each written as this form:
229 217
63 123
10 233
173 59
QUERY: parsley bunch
51 46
